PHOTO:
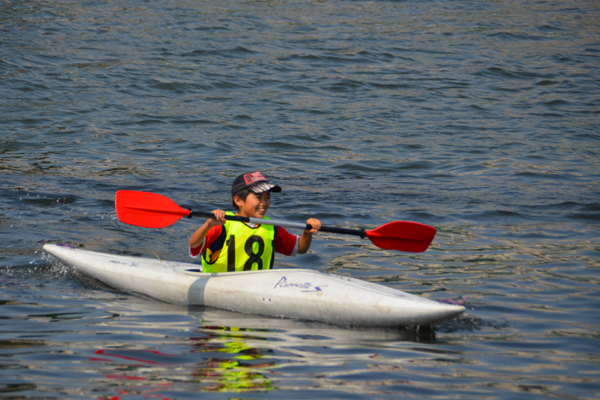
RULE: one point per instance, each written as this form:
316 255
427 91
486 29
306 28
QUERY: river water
480 118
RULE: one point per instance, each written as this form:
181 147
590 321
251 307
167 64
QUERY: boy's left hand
314 223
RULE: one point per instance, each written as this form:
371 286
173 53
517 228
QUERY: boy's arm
306 238
198 237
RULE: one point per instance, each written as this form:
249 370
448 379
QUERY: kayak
300 294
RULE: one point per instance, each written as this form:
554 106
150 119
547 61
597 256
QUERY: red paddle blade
149 210
403 236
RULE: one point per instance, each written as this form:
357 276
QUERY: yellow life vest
245 249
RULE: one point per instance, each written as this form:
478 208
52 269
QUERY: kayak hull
284 293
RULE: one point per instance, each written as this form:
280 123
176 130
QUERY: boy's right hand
219 218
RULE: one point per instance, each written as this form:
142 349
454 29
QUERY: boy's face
255 205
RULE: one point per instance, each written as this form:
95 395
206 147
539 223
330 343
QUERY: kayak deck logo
304 286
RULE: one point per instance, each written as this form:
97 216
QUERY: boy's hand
306 238
315 223
220 218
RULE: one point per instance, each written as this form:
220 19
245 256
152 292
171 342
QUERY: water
479 118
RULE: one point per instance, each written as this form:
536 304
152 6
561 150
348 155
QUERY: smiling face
255 205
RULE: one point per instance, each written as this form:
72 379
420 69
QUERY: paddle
151 210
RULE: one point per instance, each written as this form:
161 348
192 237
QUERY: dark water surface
480 118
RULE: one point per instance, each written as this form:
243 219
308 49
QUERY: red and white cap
255 182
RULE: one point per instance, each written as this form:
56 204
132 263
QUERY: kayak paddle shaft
286 224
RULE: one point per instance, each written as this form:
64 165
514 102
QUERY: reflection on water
219 360
241 368
228 364
256 356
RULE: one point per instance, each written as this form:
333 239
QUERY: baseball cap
255 182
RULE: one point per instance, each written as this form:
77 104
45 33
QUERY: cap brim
264 187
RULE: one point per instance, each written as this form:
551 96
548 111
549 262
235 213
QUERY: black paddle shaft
356 232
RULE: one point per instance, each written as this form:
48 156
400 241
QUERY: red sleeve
285 243
212 235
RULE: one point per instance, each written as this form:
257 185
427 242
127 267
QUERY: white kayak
285 293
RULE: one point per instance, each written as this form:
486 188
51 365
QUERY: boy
237 246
